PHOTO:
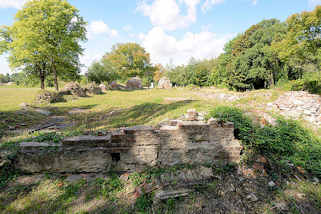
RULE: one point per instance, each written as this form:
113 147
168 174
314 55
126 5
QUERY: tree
302 43
130 60
44 40
248 61
102 71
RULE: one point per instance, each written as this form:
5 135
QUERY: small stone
271 184
316 180
281 206
166 194
24 105
252 197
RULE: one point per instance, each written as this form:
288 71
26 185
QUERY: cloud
254 2
167 13
165 48
207 5
313 3
12 3
99 28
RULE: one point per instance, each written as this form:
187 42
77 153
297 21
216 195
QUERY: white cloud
12 3
164 48
209 3
100 27
167 13
254 2
313 3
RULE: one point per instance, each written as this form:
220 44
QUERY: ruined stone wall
135 148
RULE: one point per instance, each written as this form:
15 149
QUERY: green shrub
284 142
244 128
311 82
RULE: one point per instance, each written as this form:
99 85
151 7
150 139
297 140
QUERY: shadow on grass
135 115
230 191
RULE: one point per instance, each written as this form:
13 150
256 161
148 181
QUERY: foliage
302 42
244 128
5 78
52 137
195 73
108 187
310 82
130 60
286 141
248 61
102 71
44 40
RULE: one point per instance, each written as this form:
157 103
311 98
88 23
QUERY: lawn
108 194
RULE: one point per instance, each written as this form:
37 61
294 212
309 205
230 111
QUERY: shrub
244 128
284 142
311 82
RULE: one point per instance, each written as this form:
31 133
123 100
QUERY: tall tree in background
102 71
44 40
130 60
302 43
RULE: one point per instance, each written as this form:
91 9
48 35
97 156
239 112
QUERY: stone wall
135 148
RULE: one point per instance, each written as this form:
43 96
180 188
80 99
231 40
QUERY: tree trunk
42 80
55 78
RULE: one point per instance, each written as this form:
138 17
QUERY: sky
172 31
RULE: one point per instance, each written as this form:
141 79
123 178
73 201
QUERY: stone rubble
299 104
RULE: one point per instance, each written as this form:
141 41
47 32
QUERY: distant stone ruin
134 148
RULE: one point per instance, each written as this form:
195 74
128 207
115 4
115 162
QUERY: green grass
288 141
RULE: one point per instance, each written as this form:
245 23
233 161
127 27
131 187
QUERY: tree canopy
44 40
130 60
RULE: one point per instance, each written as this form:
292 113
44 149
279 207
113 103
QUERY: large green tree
248 61
130 60
302 43
44 40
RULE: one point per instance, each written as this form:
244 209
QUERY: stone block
86 140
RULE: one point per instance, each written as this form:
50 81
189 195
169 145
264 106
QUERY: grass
115 109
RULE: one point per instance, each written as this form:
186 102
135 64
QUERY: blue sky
170 30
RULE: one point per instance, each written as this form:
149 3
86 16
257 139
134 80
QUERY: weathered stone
299 104
192 115
90 141
36 158
164 83
73 88
93 89
166 194
114 86
186 177
134 83
103 87
135 148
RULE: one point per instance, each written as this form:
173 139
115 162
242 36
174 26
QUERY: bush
244 128
311 82
284 142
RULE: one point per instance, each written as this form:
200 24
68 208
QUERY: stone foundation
135 148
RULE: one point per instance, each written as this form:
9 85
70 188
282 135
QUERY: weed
285 142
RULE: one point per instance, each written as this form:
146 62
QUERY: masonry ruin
135 148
